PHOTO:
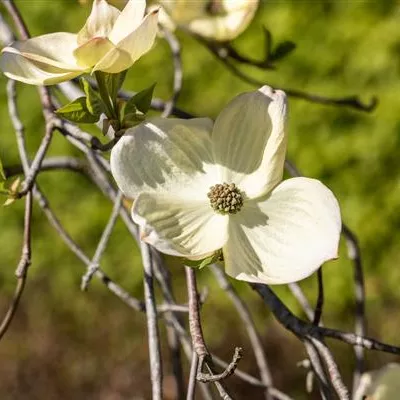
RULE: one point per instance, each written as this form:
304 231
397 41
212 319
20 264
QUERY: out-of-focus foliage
66 336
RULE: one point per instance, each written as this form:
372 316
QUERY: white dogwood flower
381 384
219 20
110 41
200 187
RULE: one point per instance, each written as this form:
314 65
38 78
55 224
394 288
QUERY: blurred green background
66 344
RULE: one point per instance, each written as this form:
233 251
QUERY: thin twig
318 369
191 391
37 161
94 265
50 164
354 254
152 325
6 34
163 278
25 260
302 328
104 278
320 298
175 47
225 51
333 370
196 333
8 317
17 19
22 269
173 320
248 322
229 370
302 299
360 326
349 101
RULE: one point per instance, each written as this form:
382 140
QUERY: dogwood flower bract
200 187
219 20
110 41
382 384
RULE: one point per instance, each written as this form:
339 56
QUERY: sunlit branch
152 325
248 323
94 265
198 342
302 328
178 71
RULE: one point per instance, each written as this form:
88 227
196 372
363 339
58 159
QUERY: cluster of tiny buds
225 198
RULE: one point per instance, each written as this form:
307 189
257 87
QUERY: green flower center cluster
225 198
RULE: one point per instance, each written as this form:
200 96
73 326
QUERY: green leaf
94 103
2 174
140 101
114 82
282 50
205 261
77 111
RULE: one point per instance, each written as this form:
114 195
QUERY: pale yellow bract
110 41
284 230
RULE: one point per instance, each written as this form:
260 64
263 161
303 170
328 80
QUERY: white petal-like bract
165 154
179 225
270 231
249 140
285 236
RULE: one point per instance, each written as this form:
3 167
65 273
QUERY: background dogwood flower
110 41
220 20
200 187
382 384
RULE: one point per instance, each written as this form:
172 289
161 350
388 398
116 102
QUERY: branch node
229 370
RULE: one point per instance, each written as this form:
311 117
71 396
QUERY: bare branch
94 265
318 369
196 333
360 328
163 278
8 317
248 322
192 377
107 281
178 74
6 34
349 101
332 368
229 370
152 326
302 299
301 328
320 298
22 268
37 161
51 164
17 18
